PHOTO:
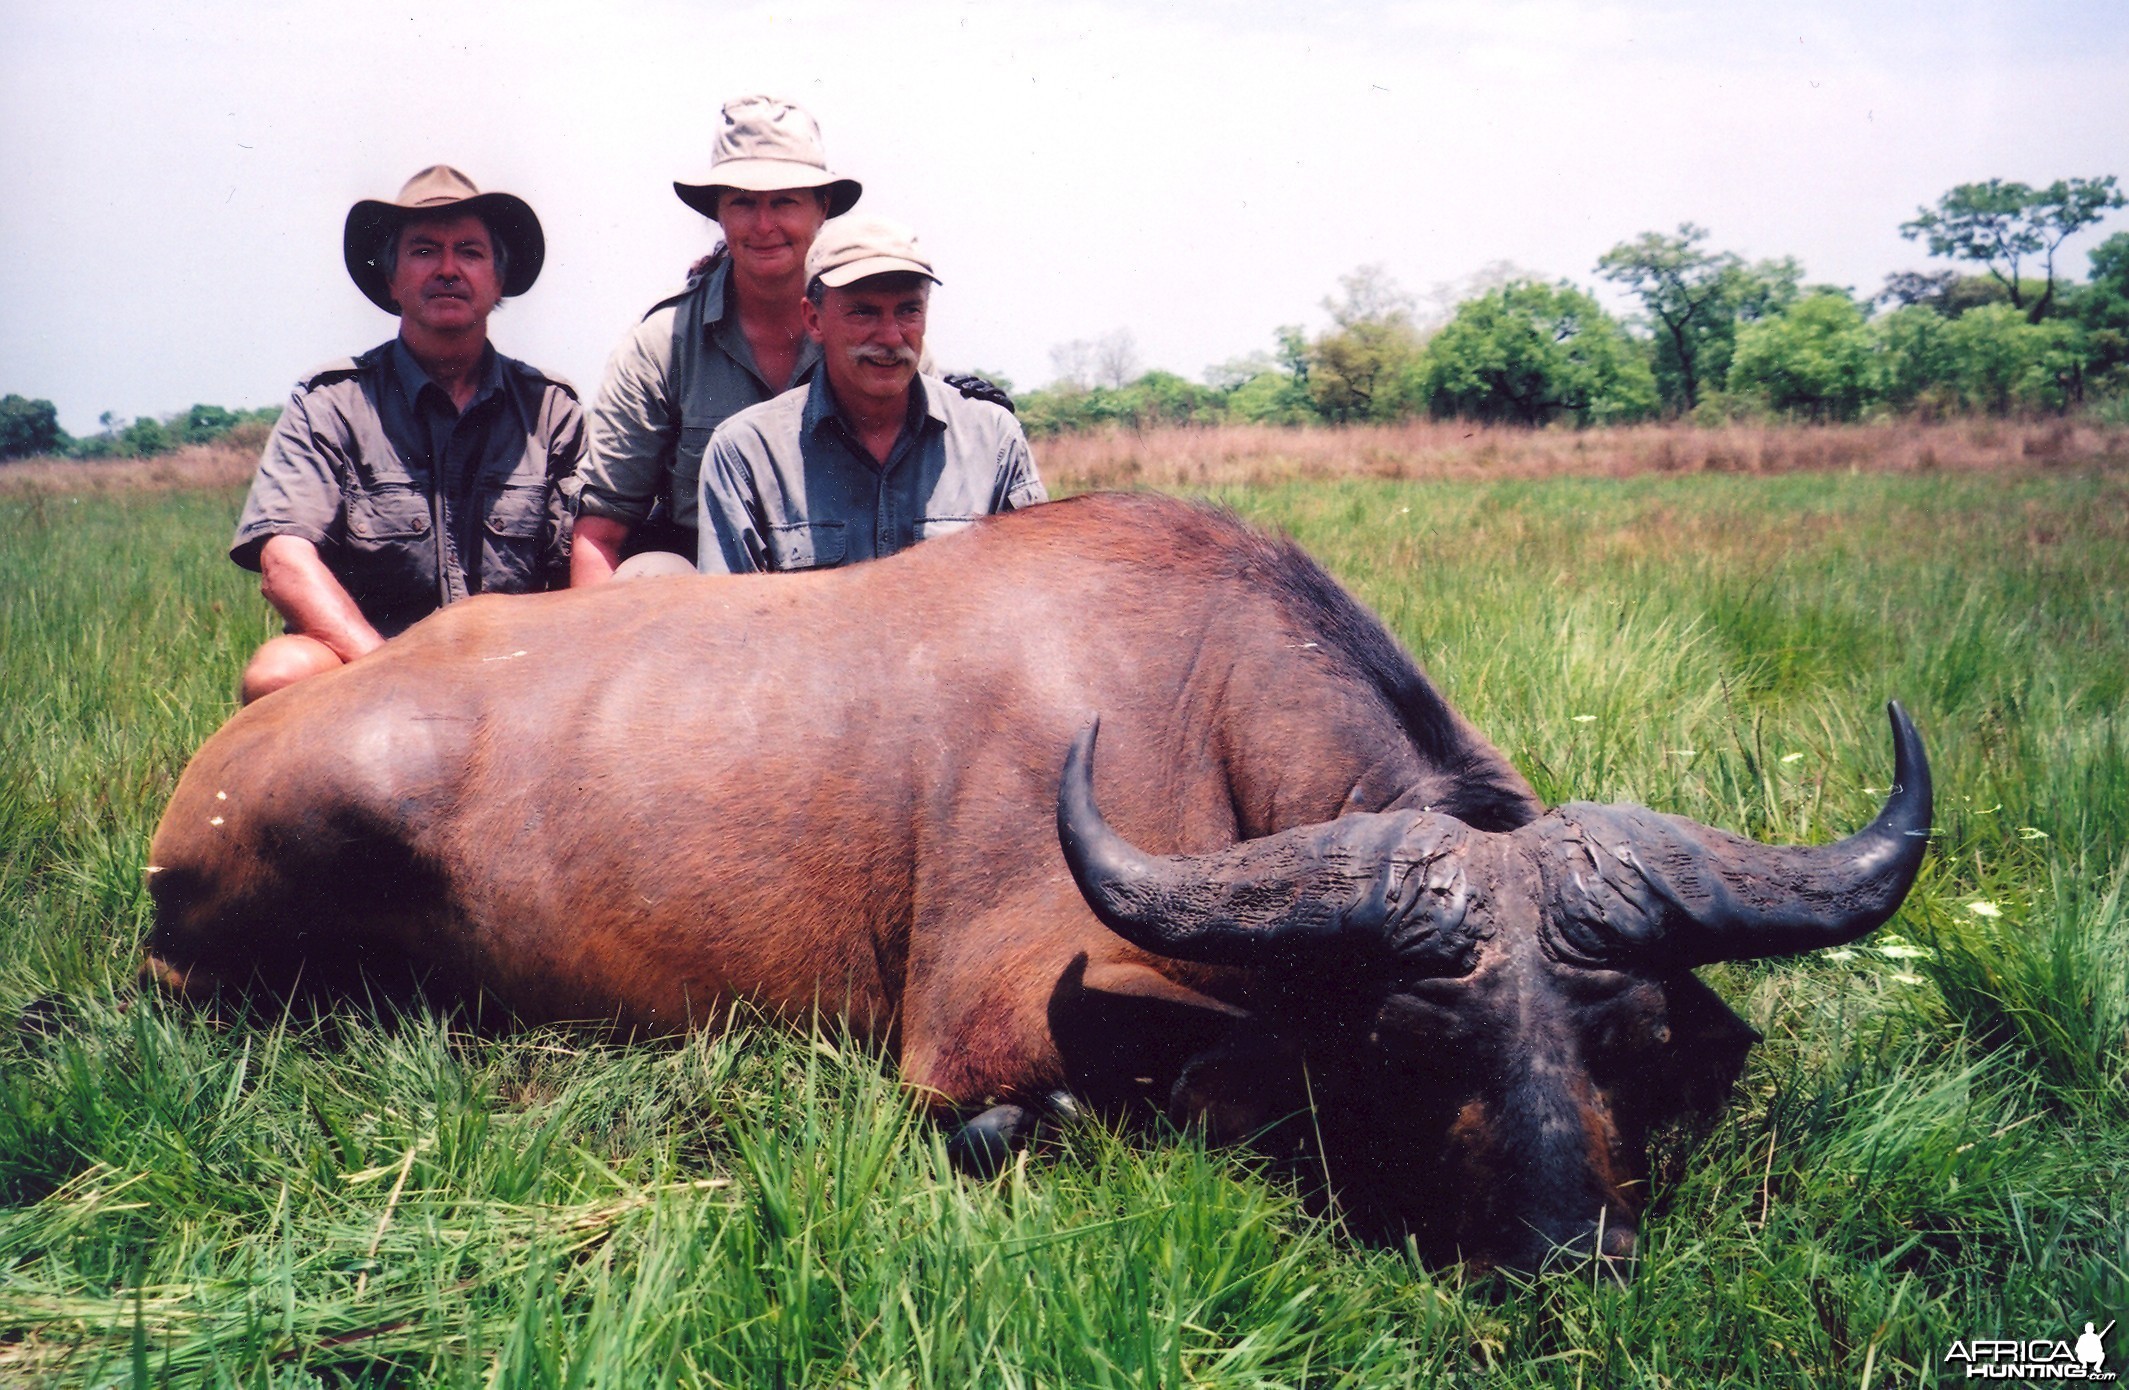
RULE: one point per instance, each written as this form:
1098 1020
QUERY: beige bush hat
851 248
441 190
765 143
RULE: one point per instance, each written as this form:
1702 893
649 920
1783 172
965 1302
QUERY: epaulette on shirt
339 369
674 298
534 374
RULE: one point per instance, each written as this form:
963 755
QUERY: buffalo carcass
841 790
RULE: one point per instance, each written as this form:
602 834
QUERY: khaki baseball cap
850 249
441 191
765 143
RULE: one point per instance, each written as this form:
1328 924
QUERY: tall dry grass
1230 455
1246 455
227 462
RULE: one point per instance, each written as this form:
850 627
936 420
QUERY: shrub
29 427
1530 353
1812 358
2001 362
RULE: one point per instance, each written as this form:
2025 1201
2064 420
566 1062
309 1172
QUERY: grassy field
1932 1144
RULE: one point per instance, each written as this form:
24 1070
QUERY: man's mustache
884 357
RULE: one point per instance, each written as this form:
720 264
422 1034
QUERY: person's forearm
298 585
596 549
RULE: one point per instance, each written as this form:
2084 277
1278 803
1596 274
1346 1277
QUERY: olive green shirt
673 380
789 487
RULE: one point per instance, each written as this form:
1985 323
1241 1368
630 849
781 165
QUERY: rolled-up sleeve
1018 483
297 490
562 427
632 426
730 540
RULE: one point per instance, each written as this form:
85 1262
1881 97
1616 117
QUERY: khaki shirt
412 503
788 487
673 380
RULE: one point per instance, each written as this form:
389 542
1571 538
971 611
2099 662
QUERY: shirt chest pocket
806 545
387 513
515 520
517 513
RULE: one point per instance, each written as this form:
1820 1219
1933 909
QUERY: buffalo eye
1447 1039
1633 1027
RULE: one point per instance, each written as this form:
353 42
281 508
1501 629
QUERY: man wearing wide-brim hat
427 469
872 455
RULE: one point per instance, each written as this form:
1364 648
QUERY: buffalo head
1491 1023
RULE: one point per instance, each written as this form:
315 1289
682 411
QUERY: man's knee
653 564
282 662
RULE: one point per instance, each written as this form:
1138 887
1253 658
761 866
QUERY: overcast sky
173 181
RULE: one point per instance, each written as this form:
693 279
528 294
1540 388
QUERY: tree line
30 428
1716 337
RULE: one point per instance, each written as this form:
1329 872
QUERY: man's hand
978 389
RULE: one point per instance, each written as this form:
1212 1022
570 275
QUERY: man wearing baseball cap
734 337
427 469
872 455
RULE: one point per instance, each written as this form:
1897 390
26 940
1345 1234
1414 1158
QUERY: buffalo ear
1241 1088
1708 1047
1125 1032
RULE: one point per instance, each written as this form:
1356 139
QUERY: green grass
1932 1143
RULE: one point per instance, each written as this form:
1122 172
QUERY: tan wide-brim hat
763 144
850 249
441 191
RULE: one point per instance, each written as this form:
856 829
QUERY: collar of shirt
720 328
924 412
412 380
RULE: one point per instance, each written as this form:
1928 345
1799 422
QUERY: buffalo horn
1632 886
1356 890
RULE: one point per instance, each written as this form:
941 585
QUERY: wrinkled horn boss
1627 886
1384 888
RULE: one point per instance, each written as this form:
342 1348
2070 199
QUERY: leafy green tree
1695 300
1530 353
1271 398
1293 352
1156 398
1164 398
204 423
2003 361
29 427
1363 368
1813 358
2001 224
2101 307
1914 356
147 437
1259 388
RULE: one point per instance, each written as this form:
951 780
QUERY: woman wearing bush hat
734 336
